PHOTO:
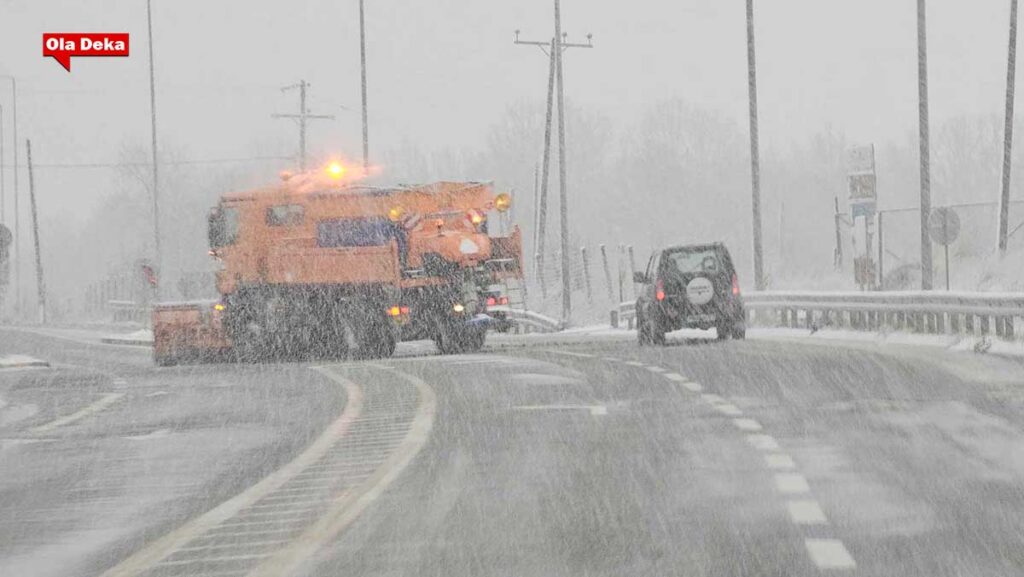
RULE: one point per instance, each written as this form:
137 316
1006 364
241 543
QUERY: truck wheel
375 341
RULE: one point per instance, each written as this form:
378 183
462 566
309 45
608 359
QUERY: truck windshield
352 232
223 226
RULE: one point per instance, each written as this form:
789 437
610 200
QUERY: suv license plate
708 318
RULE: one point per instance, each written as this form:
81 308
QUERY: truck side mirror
639 278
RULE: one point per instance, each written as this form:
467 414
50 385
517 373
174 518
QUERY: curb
24 365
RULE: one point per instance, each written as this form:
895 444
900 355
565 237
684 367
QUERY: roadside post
944 228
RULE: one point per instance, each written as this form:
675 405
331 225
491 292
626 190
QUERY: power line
99 165
303 117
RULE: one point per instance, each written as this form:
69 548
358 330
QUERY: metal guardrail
533 322
916 311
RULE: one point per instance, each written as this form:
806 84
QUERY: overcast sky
441 71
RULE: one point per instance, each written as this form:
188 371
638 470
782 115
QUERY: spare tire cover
699 291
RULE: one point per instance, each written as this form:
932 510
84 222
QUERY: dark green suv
691 286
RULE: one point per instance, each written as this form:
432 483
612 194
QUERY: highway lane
599 458
738 458
104 452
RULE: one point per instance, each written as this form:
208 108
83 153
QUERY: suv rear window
696 260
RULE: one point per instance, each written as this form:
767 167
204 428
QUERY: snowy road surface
700 458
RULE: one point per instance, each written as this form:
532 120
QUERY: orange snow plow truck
322 266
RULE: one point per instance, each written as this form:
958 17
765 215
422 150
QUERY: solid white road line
779 461
829 554
746 424
763 442
676 377
806 512
791 483
106 401
344 510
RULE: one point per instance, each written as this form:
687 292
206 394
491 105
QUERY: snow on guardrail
916 311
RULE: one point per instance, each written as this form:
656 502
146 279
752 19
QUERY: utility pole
40 284
152 114
555 80
755 160
838 257
17 239
562 190
922 121
362 60
303 116
3 179
1011 69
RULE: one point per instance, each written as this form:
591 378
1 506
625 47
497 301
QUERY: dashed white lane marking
610 359
157 394
595 410
763 442
581 355
791 483
806 512
729 409
106 401
654 369
676 377
711 398
692 387
779 461
747 424
829 554
634 364
120 382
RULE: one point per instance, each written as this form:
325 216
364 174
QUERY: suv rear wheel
649 332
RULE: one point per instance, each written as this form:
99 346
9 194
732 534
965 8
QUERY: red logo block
61 46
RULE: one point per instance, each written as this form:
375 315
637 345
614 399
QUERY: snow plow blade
188 332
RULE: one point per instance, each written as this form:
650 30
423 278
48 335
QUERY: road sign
861 181
944 226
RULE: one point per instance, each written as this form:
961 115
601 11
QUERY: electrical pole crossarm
312 116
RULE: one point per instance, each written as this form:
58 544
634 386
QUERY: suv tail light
491 301
735 286
659 290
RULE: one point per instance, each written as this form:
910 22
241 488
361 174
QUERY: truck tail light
491 301
659 290
503 301
735 286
